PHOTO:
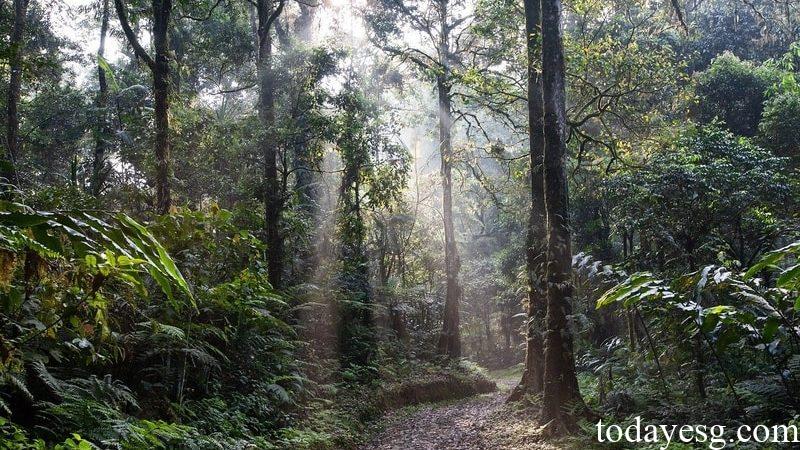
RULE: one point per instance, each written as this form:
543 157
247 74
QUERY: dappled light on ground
482 422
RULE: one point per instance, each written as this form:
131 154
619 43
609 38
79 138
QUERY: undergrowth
105 343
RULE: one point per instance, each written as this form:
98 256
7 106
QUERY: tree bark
450 339
159 67
162 10
9 169
99 166
273 198
532 377
561 393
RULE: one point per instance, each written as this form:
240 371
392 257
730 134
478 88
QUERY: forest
399 224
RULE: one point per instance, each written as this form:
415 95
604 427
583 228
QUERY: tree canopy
268 223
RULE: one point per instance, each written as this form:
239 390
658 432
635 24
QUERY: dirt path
476 423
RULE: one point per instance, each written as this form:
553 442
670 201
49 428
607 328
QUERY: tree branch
207 16
678 13
132 39
271 19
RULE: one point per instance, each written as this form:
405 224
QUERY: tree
532 377
267 13
374 173
777 130
158 64
100 167
440 25
733 91
305 66
708 195
751 30
560 382
9 171
356 333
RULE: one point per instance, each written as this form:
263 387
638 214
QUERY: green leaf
105 67
709 322
91 260
46 240
165 285
771 259
770 328
165 261
23 220
625 289
719 309
789 278
122 239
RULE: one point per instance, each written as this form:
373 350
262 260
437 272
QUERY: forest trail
483 422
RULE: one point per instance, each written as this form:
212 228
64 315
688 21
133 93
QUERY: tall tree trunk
561 393
162 9
99 166
533 375
450 339
273 198
9 169
159 67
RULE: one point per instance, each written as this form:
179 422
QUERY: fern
106 390
17 383
39 370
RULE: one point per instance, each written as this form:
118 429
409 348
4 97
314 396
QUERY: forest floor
475 423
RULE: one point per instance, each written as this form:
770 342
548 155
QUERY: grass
510 374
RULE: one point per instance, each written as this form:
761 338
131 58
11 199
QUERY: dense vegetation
266 223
